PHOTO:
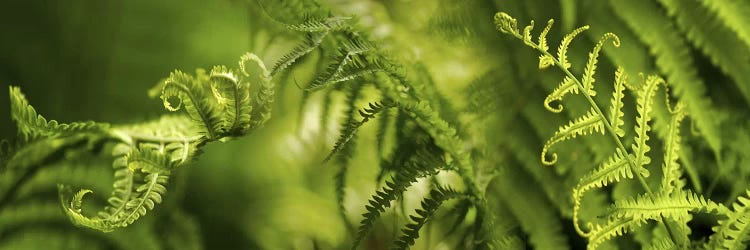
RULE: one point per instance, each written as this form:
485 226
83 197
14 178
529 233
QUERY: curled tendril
506 24
553 158
221 77
550 108
253 57
167 95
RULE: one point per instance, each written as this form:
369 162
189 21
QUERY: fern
32 125
587 124
350 129
309 44
615 109
671 58
734 15
429 206
627 215
449 116
218 107
422 165
193 95
706 31
671 170
675 206
733 232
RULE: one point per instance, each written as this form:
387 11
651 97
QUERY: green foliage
144 155
671 201
412 124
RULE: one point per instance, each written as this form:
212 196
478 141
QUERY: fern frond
234 95
429 205
671 170
311 42
193 96
673 58
320 24
734 231
543 36
337 69
150 161
734 14
351 128
265 96
588 73
615 227
128 201
562 50
527 33
72 208
589 123
506 24
616 104
645 105
418 167
31 124
567 86
676 206
122 187
610 171
709 33
148 194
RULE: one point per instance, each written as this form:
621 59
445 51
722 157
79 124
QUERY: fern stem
607 125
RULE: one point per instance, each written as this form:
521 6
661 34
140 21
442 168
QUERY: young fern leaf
621 164
352 95
335 71
645 105
234 95
589 123
562 50
421 165
543 36
264 98
527 33
676 206
506 24
193 96
616 104
672 56
733 232
611 171
352 128
122 187
149 194
672 180
429 205
149 161
588 74
32 125
312 41
613 228
320 24
568 85
72 208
